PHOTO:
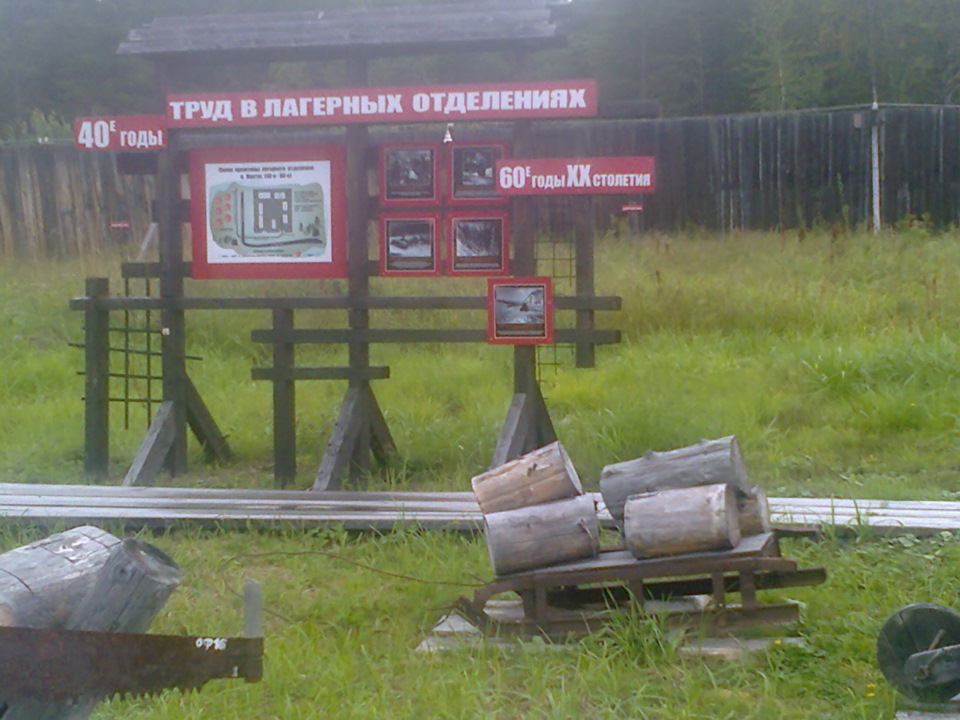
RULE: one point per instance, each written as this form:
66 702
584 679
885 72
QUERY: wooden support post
528 425
356 425
284 401
584 231
173 325
97 382
358 264
204 427
339 450
154 450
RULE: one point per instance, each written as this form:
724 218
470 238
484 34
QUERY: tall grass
832 359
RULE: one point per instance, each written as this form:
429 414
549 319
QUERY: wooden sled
580 597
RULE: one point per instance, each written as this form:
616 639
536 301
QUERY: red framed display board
268 212
409 174
477 243
410 244
520 311
471 173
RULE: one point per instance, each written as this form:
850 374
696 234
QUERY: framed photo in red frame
471 173
478 243
520 311
409 174
410 244
268 212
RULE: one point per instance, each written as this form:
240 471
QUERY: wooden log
542 476
753 512
130 589
41 584
542 535
681 521
706 463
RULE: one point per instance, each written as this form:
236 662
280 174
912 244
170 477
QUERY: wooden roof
427 29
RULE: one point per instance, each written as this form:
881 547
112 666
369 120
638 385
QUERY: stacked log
691 499
677 522
709 462
535 512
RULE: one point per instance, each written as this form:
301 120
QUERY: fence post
284 400
97 381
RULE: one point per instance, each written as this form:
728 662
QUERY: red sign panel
447 103
576 176
130 133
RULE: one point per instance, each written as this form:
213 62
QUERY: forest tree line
694 57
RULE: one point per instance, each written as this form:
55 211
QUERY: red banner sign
576 176
447 103
133 132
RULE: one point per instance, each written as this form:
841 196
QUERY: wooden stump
707 463
542 476
753 512
541 535
129 586
686 520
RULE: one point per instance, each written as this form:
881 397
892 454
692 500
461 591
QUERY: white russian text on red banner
127 133
574 98
576 176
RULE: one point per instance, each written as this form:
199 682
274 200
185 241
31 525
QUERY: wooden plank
155 448
515 432
321 373
336 458
385 302
204 427
381 439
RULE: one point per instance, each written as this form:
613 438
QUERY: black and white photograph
409 246
521 311
409 174
473 172
478 244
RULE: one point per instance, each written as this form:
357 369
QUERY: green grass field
834 361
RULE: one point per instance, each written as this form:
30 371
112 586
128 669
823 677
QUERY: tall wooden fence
744 171
55 200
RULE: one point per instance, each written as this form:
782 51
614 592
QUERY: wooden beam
97 382
284 402
321 373
204 427
339 450
516 431
154 449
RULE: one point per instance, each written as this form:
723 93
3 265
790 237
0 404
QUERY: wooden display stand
361 435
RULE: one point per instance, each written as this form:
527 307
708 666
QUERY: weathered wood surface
128 591
753 512
150 507
541 476
477 26
542 535
43 583
706 463
682 521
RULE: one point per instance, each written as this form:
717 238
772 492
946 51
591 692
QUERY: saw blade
62 665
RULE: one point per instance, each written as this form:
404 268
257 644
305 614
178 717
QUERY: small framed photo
409 174
409 244
472 172
477 243
520 311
